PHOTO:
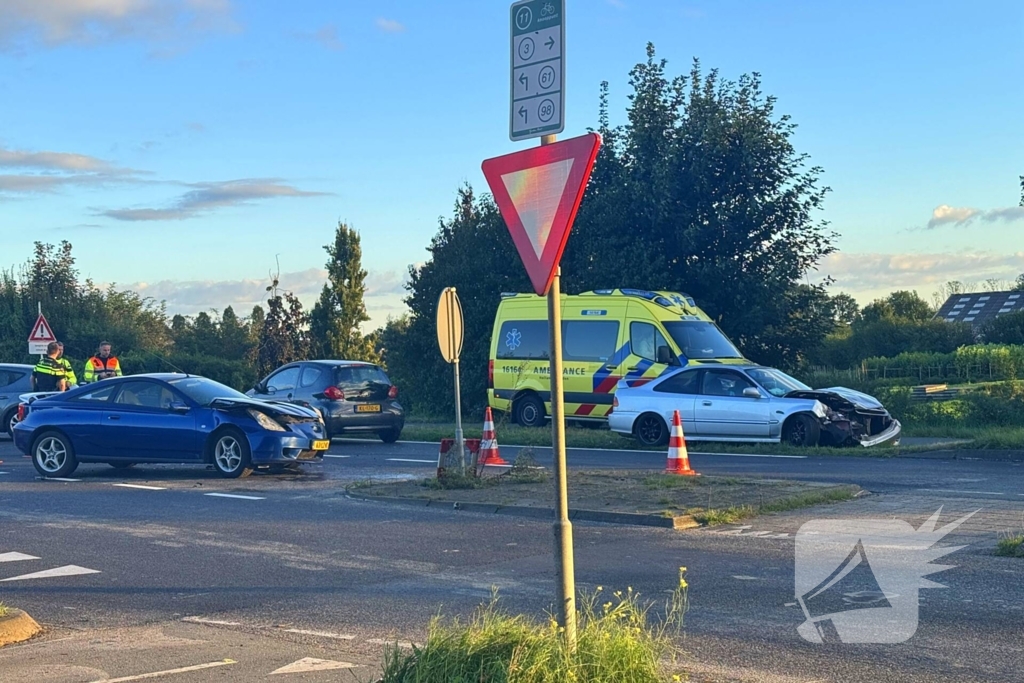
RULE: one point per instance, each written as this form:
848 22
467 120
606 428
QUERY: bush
616 643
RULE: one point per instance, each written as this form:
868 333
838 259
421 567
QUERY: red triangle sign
538 191
41 331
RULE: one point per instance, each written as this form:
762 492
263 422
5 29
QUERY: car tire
53 455
231 454
121 465
10 419
390 435
529 411
801 430
650 430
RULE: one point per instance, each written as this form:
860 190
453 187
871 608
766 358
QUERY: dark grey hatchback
353 397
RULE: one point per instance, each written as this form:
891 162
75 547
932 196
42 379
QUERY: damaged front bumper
891 434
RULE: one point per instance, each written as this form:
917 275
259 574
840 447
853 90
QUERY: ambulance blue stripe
641 368
616 360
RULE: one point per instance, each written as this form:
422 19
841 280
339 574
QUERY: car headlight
266 421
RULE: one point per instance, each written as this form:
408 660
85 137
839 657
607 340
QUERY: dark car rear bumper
341 417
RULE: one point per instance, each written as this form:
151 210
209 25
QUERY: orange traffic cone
678 458
489 444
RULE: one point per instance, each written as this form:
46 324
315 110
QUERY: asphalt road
159 568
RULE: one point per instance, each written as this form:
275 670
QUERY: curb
628 518
17 627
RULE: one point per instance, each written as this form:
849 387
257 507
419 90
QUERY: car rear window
360 375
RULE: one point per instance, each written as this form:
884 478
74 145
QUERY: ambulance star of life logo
513 339
857 580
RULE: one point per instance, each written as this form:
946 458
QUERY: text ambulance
607 335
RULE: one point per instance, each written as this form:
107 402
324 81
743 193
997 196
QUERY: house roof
977 308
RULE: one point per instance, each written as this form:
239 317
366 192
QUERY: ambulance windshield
701 340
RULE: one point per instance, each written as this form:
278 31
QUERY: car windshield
776 382
699 339
203 391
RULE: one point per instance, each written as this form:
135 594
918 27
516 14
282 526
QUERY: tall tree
283 338
337 316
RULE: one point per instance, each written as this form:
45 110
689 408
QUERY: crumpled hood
858 399
280 408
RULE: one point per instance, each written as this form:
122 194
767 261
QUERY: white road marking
409 460
168 672
320 634
202 620
753 455
742 577
144 488
790 604
613 450
16 557
59 479
400 643
4 472
980 493
233 495
67 570
336 456
312 664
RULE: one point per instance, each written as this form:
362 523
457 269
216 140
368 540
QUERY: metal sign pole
565 567
460 442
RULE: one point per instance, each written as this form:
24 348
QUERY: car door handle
113 417
632 367
611 367
707 403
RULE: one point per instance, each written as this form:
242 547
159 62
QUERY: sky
190 149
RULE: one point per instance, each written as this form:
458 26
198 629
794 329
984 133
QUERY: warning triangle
41 331
538 192
313 664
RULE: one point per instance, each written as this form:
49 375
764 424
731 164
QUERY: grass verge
618 641
4 609
996 438
1011 546
732 515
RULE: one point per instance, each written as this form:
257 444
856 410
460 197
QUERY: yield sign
41 331
538 191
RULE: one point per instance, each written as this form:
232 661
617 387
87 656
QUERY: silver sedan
749 403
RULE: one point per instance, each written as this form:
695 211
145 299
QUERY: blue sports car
167 418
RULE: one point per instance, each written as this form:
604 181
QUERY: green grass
1011 546
733 515
1008 438
4 609
617 642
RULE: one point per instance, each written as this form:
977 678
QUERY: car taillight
334 393
21 412
490 374
393 392
615 402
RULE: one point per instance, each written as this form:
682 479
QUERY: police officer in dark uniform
49 373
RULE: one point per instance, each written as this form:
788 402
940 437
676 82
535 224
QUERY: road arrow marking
67 570
140 486
16 557
233 495
202 620
312 664
168 672
320 634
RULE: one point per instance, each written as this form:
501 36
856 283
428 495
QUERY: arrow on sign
538 191
523 113
550 42
524 80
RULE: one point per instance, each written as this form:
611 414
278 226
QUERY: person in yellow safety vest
102 365
69 372
48 374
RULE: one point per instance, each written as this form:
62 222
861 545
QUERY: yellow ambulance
607 335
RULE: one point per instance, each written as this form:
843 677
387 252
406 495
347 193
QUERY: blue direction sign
538 69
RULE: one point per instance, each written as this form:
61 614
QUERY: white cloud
326 36
50 171
945 214
212 195
868 275
58 22
390 25
1011 213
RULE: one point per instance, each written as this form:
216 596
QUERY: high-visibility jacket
97 368
69 372
48 373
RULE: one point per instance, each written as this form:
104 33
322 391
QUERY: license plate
368 408
321 445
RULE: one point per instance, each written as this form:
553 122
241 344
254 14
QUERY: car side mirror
179 408
751 392
666 356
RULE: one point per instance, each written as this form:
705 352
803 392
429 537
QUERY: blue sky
184 146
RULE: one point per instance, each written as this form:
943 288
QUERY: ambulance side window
523 340
588 341
645 340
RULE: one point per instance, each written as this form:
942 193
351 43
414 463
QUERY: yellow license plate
321 445
366 408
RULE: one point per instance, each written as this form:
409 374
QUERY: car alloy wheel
651 430
11 421
53 456
231 455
